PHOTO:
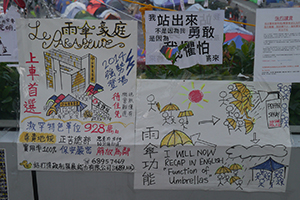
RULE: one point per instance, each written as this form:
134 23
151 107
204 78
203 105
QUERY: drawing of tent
269 165
174 138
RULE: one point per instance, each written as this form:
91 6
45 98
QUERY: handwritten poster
77 85
199 34
277 49
3 176
8 35
212 135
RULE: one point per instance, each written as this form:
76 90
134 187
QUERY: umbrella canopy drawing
170 107
223 170
232 122
269 165
233 179
186 113
235 166
175 138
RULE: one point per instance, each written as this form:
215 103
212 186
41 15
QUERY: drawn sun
194 95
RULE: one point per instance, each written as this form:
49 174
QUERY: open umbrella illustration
249 124
186 113
170 107
233 179
223 170
235 167
231 122
174 138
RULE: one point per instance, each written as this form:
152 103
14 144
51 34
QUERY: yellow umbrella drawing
158 106
233 179
186 113
235 166
223 170
174 138
242 88
249 124
232 122
170 107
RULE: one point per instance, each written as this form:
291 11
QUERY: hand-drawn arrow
214 120
254 140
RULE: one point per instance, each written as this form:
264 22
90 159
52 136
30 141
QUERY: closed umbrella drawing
170 107
233 179
158 106
271 166
186 113
174 138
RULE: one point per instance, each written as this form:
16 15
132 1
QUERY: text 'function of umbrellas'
174 138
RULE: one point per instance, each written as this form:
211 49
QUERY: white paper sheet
212 135
201 30
77 86
277 45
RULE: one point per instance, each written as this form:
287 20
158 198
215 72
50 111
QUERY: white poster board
277 45
212 135
8 36
202 30
77 87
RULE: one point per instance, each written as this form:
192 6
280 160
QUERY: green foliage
9 90
235 61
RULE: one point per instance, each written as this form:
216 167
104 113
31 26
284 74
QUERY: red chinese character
32 89
116 96
32 71
100 151
117 113
31 59
30 107
109 129
117 152
117 105
126 151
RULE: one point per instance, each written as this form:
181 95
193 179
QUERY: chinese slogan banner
214 135
277 49
184 38
77 94
8 35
